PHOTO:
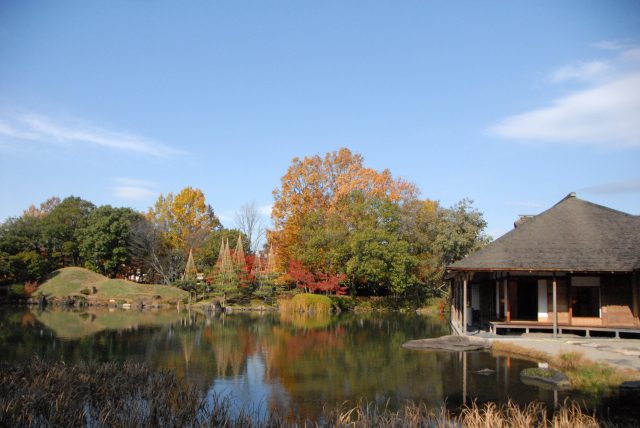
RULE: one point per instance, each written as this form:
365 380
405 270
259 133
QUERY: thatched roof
573 235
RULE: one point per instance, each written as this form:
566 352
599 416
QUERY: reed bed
40 394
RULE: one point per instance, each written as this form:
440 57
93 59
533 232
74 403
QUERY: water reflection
277 362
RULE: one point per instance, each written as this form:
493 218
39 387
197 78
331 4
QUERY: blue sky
512 104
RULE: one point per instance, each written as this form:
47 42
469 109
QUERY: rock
545 378
449 343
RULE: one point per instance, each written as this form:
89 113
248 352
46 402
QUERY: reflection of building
573 267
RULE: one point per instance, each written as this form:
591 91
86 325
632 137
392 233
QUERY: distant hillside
76 281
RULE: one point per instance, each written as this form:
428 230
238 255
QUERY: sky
512 104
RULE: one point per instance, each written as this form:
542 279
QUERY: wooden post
454 299
555 307
497 300
507 309
454 307
459 308
464 305
453 302
459 320
569 302
634 292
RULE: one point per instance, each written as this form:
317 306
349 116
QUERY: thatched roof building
583 256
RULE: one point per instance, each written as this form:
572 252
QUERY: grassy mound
82 283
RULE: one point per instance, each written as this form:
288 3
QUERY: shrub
85 291
310 303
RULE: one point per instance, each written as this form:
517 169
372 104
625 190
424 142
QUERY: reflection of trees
316 361
353 358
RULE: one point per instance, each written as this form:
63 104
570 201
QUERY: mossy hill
83 284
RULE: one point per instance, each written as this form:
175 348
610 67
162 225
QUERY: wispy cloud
43 129
611 45
581 72
134 190
605 112
626 186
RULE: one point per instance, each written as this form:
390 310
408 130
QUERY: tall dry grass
489 415
38 394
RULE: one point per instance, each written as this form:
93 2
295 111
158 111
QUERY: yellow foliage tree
186 219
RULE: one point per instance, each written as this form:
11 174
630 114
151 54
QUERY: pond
286 362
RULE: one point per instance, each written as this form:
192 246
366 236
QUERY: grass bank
584 374
35 393
90 287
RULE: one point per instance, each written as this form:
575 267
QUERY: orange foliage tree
317 184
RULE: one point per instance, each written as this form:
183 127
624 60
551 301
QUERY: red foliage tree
318 282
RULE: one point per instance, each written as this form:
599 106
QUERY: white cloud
604 114
43 129
627 186
132 193
582 72
134 190
604 111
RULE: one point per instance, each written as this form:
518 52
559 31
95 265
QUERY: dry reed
35 394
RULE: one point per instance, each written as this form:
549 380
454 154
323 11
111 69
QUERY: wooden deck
528 326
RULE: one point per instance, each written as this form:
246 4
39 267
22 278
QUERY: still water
285 362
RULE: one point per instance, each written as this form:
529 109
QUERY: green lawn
72 280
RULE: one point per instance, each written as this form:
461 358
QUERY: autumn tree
315 282
45 208
317 184
185 219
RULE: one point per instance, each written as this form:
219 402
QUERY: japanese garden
319 214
